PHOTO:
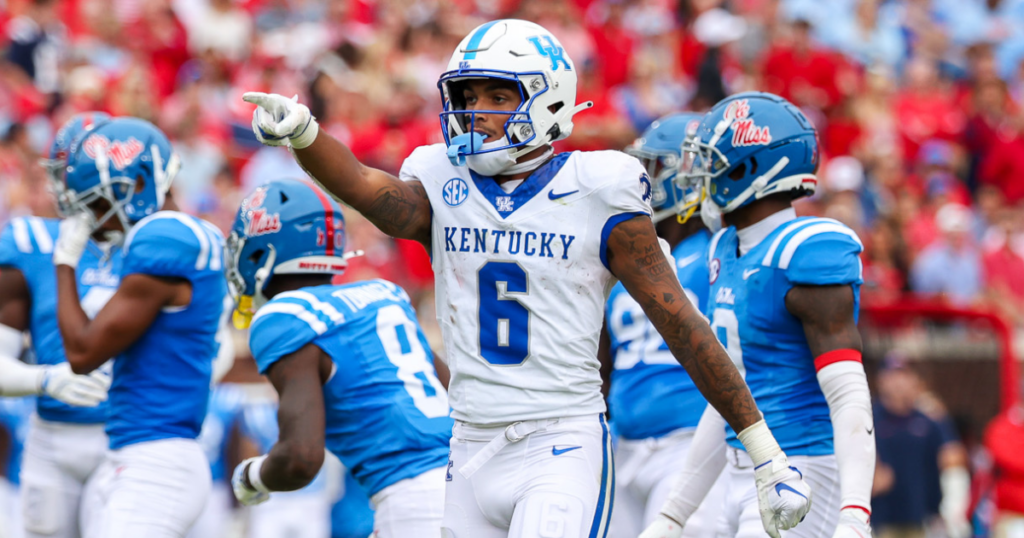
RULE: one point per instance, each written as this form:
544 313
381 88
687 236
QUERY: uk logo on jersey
455 192
713 269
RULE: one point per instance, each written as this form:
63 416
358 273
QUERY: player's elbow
80 362
303 465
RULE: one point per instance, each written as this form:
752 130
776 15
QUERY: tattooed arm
399 208
636 258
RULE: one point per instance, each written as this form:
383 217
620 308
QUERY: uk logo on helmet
455 192
550 50
120 152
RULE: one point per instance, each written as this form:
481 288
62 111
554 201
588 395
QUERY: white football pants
410 507
59 459
740 517
532 479
10 511
217 516
155 489
645 471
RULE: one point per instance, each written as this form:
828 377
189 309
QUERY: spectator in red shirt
800 72
1003 168
613 43
926 107
1004 439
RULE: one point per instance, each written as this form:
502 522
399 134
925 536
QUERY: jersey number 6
504 321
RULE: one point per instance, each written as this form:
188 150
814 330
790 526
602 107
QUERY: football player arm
827 315
296 458
122 321
16 377
636 258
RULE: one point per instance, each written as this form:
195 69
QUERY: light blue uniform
27 244
387 414
161 383
259 424
651 394
14 417
747 308
227 402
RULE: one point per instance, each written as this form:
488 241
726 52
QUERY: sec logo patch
455 192
713 269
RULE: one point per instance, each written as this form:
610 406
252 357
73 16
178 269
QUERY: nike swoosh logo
871 430
555 451
553 196
683 262
748 272
780 487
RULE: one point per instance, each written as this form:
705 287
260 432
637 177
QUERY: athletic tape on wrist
254 475
759 442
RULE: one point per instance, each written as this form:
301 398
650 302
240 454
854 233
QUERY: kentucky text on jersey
512 242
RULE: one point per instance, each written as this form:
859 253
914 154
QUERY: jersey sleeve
171 246
281 328
822 255
625 194
24 236
415 163
12 249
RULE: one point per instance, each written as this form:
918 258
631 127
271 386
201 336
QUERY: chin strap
531 165
565 114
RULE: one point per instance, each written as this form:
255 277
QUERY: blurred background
917 105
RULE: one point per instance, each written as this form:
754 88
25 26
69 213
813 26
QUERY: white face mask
711 215
492 163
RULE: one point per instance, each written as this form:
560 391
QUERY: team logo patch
713 269
744 131
646 191
258 220
256 199
120 152
504 204
455 192
551 50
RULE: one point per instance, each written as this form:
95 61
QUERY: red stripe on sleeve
836 355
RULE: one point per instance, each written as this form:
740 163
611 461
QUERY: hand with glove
782 495
246 483
60 383
280 121
663 527
72 239
853 523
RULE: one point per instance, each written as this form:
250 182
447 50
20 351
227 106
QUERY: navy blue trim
474 42
526 190
762 465
610 224
607 473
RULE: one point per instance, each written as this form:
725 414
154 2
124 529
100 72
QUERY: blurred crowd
916 103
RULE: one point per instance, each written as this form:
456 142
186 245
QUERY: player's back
161 382
27 245
387 414
522 279
747 308
651 393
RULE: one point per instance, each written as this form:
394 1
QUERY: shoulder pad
287 323
169 243
421 159
817 252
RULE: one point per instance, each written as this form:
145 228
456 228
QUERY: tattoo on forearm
636 258
394 209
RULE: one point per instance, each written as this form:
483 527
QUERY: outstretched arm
399 208
827 314
636 258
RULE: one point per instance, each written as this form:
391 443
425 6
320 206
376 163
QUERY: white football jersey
521 279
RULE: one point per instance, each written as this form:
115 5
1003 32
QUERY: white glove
60 383
663 527
249 492
782 495
74 236
853 523
280 121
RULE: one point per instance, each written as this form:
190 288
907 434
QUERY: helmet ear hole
739 172
284 197
556 107
256 256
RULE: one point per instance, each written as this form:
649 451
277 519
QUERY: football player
350 364
65 442
161 326
525 244
654 403
223 417
783 300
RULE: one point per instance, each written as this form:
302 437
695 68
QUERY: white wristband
759 442
307 136
254 474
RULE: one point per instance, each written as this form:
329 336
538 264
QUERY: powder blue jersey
747 307
651 394
14 417
387 414
27 244
222 415
162 382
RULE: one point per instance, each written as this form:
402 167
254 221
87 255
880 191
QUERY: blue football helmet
128 162
752 145
660 150
57 162
288 226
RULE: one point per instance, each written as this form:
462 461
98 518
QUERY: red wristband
836 355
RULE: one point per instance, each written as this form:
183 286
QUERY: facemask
711 215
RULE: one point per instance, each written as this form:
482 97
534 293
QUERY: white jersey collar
752 235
